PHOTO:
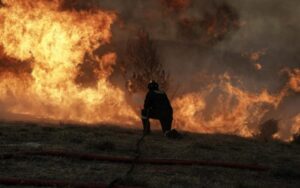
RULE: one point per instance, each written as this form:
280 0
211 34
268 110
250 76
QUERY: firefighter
157 106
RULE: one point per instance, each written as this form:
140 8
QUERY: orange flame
56 41
234 111
294 82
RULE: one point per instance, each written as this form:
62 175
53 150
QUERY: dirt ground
282 158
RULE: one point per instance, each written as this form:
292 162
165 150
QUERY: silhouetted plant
142 64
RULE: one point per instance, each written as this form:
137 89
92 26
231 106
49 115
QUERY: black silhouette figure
157 106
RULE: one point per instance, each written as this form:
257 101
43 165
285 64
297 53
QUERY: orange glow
294 82
55 42
296 125
234 110
255 56
258 66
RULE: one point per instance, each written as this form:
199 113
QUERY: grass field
282 158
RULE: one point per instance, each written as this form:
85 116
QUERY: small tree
142 64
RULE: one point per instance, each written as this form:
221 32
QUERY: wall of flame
55 42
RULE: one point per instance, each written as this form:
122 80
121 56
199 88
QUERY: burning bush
142 64
268 129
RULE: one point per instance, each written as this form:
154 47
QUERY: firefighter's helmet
153 85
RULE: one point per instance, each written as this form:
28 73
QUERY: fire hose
82 156
136 158
53 183
133 161
127 160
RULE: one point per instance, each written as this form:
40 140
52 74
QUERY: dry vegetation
283 158
141 63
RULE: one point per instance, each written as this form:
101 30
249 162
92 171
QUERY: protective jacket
157 106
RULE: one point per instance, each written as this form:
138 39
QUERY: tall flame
56 41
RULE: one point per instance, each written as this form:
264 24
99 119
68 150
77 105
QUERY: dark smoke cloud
79 5
171 20
213 27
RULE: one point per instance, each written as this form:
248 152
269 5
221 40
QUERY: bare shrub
142 64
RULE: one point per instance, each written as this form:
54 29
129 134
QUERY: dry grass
283 158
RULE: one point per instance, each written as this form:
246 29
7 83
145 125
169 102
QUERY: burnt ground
282 158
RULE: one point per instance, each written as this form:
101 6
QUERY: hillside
283 159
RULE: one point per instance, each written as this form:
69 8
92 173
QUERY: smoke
176 5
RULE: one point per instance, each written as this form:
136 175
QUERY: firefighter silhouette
157 106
